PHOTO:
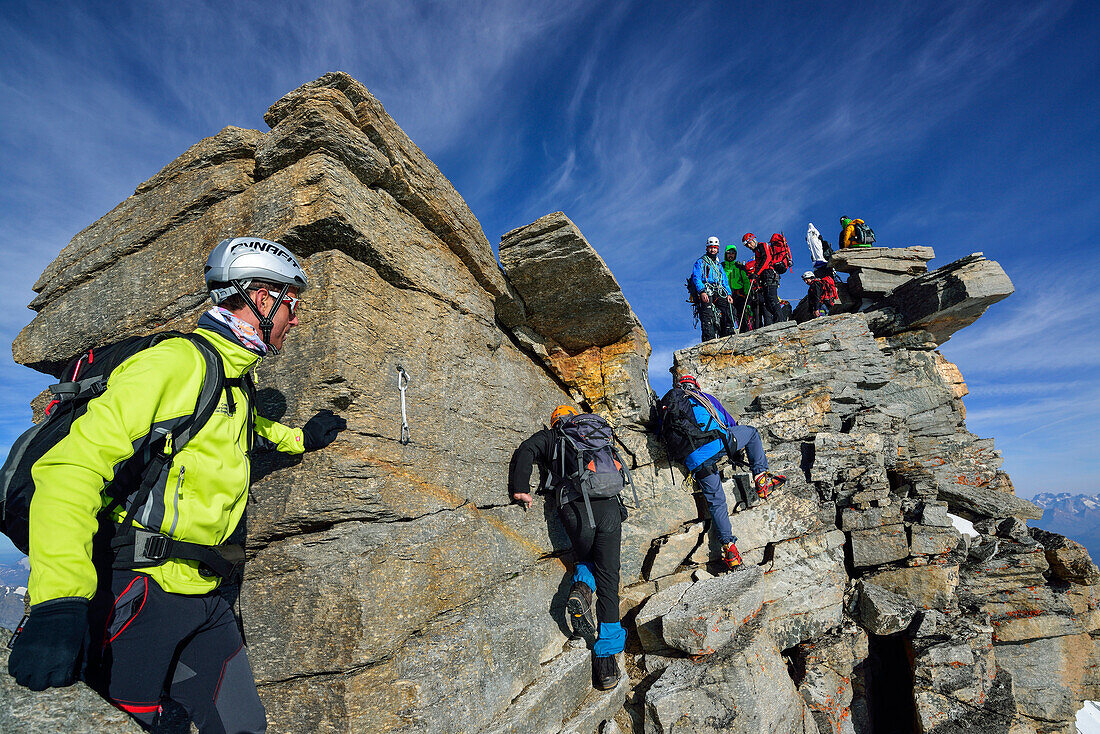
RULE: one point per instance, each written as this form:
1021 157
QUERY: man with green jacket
158 627
740 283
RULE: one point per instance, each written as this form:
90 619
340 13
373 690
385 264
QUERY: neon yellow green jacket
207 486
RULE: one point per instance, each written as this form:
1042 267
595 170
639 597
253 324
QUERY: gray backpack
585 461
863 235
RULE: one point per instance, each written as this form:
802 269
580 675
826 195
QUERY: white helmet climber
235 263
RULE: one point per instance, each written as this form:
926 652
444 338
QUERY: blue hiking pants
748 438
711 486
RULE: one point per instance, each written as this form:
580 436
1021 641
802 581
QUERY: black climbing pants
148 645
716 318
599 547
769 300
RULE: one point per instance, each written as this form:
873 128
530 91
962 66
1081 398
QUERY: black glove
320 430
46 651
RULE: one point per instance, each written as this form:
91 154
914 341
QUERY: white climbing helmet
235 263
713 242
808 275
241 260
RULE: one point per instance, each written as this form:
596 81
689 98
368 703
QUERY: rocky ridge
393 588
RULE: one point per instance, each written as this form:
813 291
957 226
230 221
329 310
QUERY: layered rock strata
393 588
875 271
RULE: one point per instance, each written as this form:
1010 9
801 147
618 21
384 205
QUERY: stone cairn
393 587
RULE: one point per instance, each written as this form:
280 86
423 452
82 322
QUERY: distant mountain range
1076 516
14 572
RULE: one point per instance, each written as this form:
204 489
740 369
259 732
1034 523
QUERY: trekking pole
402 385
748 296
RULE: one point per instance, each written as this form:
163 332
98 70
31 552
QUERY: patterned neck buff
224 322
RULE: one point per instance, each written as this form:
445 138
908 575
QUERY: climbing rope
402 385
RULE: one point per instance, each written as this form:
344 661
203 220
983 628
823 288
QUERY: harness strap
584 489
140 548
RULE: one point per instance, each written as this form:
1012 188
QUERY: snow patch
966 527
1088 718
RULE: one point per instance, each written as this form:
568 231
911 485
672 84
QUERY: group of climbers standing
730 297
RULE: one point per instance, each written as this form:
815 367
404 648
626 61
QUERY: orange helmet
560 412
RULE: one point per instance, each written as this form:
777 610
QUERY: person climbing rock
812 304
740 283
584 477
696 430
711 294
855 233
144 589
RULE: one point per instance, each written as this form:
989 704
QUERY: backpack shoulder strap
626 473
212 385
207 401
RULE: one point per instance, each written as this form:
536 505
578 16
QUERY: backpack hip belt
140 548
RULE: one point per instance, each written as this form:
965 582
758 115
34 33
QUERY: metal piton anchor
402 384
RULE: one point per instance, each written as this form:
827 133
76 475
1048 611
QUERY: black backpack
83 380
863 235
585 460
680 426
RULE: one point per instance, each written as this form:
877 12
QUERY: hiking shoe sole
580 616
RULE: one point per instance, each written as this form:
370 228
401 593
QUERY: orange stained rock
599 370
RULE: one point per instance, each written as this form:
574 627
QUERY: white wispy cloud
1048 332
672 136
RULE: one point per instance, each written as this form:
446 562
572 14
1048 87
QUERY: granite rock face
393 587
72 709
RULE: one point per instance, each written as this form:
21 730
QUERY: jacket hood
730 246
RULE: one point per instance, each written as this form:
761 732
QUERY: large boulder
743 688
875 271
577 317
711 611
944 300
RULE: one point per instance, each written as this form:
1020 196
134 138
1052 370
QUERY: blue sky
967 126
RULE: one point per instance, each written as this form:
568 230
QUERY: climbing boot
582 615
605 672
730 555
767 482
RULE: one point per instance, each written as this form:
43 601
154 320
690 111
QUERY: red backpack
829 295
780 253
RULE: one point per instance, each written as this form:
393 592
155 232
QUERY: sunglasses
289 300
